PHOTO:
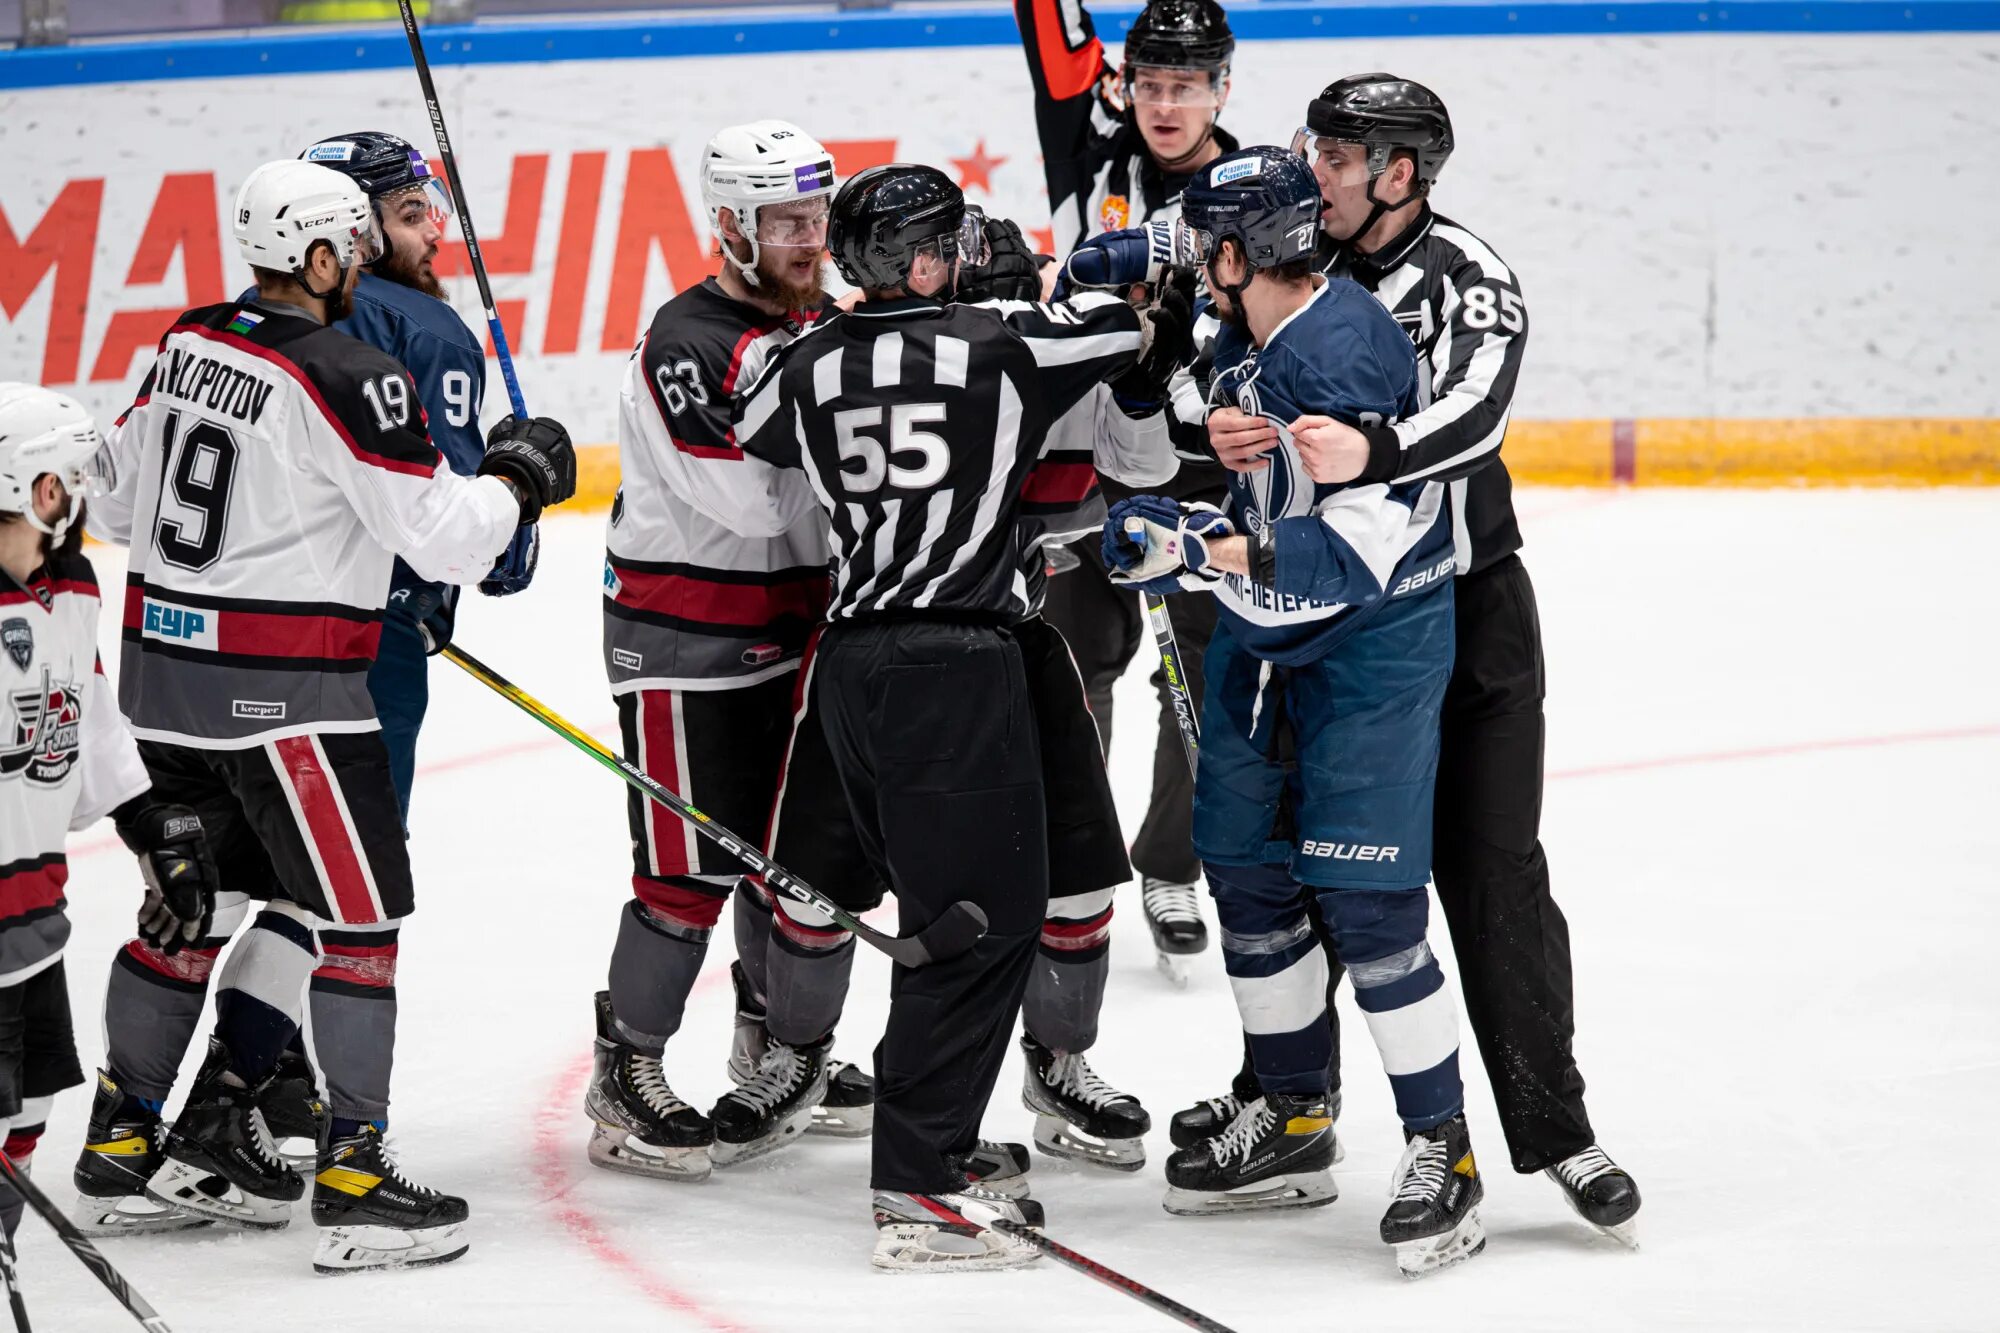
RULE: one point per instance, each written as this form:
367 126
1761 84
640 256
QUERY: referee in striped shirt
916 423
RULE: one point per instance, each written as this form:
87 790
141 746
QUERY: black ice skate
292 1108
220 1160
1078 1114
1433 1217
372 1216
1207 1118
746 1046
945 1233
1173 914
1602 1193
773 1108
999 1167
848 1109
121 1151
1275 1155
641 1127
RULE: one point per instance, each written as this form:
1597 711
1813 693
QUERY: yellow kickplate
356 1183
1465 1166
1307 1124
132 1147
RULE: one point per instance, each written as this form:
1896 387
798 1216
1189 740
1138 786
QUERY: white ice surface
1787 1007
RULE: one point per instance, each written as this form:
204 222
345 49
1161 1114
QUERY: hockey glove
178 868
515 569
1013 273
1160 545
536 456
1114 260
1142 390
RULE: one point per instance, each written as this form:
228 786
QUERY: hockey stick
80 1246
13 1277
957 929
1090 1268
1155 605
450 160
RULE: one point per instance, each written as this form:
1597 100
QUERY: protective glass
429 194
799 227
1192 245
99 474
1156 87
968 245
1324 149
368 245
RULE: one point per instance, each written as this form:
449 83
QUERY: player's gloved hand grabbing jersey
178 868
536 456
1013 272
515 569
1160 545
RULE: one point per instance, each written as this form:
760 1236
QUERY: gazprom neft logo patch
337 150
813 176
179 624
1236 171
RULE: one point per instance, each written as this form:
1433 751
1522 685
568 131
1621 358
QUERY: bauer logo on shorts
19 639
41 740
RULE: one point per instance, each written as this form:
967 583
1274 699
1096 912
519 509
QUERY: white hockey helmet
764 162
42 431
288 205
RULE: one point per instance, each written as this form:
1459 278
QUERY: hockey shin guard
153 1003
1072 962
1400 990
1278 972
662 938
21 1134
809 962
353 995
262 996
750 913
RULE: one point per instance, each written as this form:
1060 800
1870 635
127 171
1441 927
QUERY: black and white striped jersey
917 425
1462 307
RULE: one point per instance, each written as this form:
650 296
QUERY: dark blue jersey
440 352
1329 555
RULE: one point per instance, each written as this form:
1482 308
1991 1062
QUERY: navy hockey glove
536 456
515 569
1114 260
178 868
1160 545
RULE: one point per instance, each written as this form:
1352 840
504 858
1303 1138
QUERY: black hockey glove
536 456
178 868
1142 390
1014 273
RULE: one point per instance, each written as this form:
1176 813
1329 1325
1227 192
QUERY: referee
1376 144
916 423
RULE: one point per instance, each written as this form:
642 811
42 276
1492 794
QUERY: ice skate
121 1151
220 1162
1602 1193
1210 1116
942 1233
1275 1155
1078 1114
999 1167
1433 1217
372 1216
847 1111
1173 914
775 1107
641 1127
293 1110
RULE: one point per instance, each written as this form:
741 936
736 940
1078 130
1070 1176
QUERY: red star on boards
1044 239
977 169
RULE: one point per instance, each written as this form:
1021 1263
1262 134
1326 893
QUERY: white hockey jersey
267 474
66 758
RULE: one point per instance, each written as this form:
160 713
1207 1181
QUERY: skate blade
302 1153
1174 967
1307 1189
131 1215
1626 1233
189 1189
919 1247
1059 1138
361 1249
786 1131
1421 1258
843 1122
615 1150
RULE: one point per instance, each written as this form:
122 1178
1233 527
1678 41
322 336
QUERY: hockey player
916 424
1117 146
1377 143
703 633
269 470
68 761
1319 736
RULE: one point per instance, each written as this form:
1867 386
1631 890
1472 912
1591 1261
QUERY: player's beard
411 270
777 283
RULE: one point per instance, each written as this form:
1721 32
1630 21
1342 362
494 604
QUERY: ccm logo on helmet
1348 851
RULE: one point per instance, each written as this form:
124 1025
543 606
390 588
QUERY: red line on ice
1778 751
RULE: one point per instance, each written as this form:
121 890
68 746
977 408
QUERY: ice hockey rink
1774 757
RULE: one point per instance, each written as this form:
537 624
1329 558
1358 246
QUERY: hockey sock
1400 989
751 915
662 938
353 996
153 1003
1278 972
263 989
1072 962
21 1134
808 963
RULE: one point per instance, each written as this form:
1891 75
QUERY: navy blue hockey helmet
384 165
1265 199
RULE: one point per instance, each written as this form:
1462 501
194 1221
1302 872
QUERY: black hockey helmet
1180 34
1383 113
884 218
385 166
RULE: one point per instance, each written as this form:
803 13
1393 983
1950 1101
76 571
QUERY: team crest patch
19 638
1116 211
41 742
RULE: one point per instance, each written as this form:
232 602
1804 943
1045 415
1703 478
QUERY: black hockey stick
957 928
1090 1268
14 1297
80 1246
464 212
1170 664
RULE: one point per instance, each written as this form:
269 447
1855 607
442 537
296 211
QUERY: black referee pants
933 733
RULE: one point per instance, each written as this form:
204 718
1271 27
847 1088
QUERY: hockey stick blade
961 926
